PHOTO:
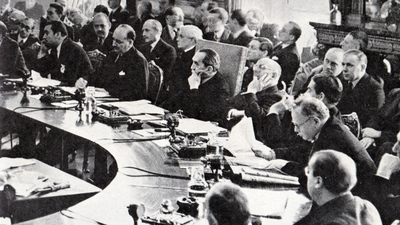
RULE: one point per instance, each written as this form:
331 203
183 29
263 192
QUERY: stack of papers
137 107
39 81
198 127
7 163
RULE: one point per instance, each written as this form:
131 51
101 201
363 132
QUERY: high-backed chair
233 60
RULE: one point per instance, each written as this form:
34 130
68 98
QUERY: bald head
101 25
268 72
151 31
123 38
333 61
188 36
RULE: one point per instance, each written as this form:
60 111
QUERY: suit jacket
28 43
289 60
72 64
163 54
224 37
11 59
120 16
95 43
207 103
255 106
181 72
346 209
365 99
125 77
334 135
243 39
167 38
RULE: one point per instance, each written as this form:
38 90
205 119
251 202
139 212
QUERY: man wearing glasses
125 69
25 37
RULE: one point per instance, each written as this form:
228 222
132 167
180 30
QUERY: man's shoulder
163 46
9 43
368 80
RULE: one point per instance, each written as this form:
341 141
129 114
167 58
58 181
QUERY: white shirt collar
59 50
22 39
154 44
285 45
355 82
190 48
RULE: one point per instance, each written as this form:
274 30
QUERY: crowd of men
298 110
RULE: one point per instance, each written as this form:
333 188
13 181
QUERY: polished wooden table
147 173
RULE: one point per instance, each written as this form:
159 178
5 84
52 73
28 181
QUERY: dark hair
3 29
211 59
239 15
101 9
171 2
170 11
222 14
212 5
265 44
228 204
296 30
131 34
147 5
361 37
58 26
337 170
58 7
330 85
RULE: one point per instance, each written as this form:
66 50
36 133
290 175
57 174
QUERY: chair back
353 123
154 83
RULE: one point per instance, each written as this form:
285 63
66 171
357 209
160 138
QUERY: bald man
187 40
125 69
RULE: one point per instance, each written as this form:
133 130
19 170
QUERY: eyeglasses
298 126
23 26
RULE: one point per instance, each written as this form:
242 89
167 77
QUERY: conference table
148 171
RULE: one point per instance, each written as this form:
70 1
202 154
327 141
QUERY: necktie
53 53
176 35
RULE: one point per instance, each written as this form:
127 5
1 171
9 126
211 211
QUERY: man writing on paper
262 92
330 177
208 90
60 57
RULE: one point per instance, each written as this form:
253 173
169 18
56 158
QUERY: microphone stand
24 100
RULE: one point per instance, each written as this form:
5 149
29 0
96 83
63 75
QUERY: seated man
217 19
25 36
158 51
55 13
240 32
174 17
187 40
259 47
208 90
67 61
226 204
331 61
363 94
11 60
313 123
125 70
330 177
261 93
255 22
286 53
14 22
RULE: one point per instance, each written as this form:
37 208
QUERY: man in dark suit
286 53
312 122
174 19
259 47
101 40
118 15
255 22
240 32
11 60
187 39
208 90
331 175
217 19
25 37
158 51
55 13
125 70
363 94
60 57
162 6
261 93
